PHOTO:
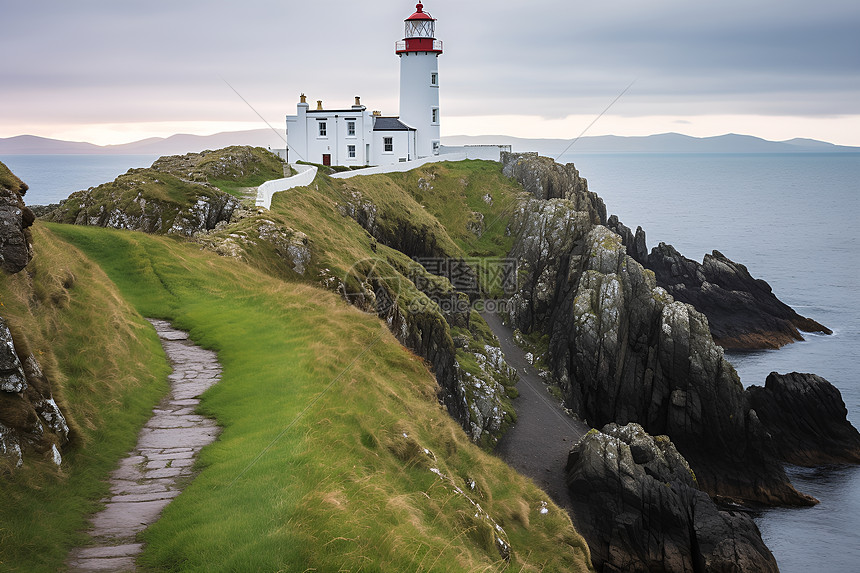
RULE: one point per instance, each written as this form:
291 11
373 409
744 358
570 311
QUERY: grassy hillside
107 370
472 200
335 454
232 169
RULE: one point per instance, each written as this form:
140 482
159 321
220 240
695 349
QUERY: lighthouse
419 81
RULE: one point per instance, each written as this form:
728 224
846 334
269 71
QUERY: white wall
307 145
304 177
418 97
404 147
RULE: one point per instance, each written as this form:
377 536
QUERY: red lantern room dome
420 34
420 14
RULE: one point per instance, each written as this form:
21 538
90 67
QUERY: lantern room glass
420 29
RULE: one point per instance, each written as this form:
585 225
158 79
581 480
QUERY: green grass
321 464
451 192
107 371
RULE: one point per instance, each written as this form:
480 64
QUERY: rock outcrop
637 503
263 240
235 163
15 219
743 313
806 419
30 420
623 350
150 201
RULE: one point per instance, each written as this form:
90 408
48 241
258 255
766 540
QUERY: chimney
377 114
303 98
319 105
357 101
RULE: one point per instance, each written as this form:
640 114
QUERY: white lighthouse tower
419 81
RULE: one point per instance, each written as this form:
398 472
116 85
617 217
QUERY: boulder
638 505
806 419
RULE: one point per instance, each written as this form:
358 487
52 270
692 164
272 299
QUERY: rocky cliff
742 311
638 505
30 420
624 350
15 220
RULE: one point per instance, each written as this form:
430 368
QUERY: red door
327 159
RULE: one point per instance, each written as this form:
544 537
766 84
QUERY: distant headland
661 143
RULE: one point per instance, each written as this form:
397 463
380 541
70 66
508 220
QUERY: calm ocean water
791 219
54 177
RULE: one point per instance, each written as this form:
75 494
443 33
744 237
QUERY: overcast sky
118 70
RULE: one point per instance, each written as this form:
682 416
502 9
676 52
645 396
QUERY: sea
792 219
52 178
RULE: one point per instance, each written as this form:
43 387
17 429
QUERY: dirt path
153 473
537 446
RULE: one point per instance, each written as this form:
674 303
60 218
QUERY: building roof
390 124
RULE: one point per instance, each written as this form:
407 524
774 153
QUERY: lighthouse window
388 144
350 151
322 129
350 129
434 79
435 115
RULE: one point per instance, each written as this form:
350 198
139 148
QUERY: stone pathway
160 464
538 444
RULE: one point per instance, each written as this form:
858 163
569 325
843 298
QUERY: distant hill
173 145
662 143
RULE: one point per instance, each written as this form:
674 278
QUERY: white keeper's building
356 137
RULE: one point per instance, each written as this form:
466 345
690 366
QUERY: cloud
108 61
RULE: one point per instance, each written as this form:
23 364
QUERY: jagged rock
12 378
15 219
743 313
623 350
635 244
807 419
30 420
638 506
